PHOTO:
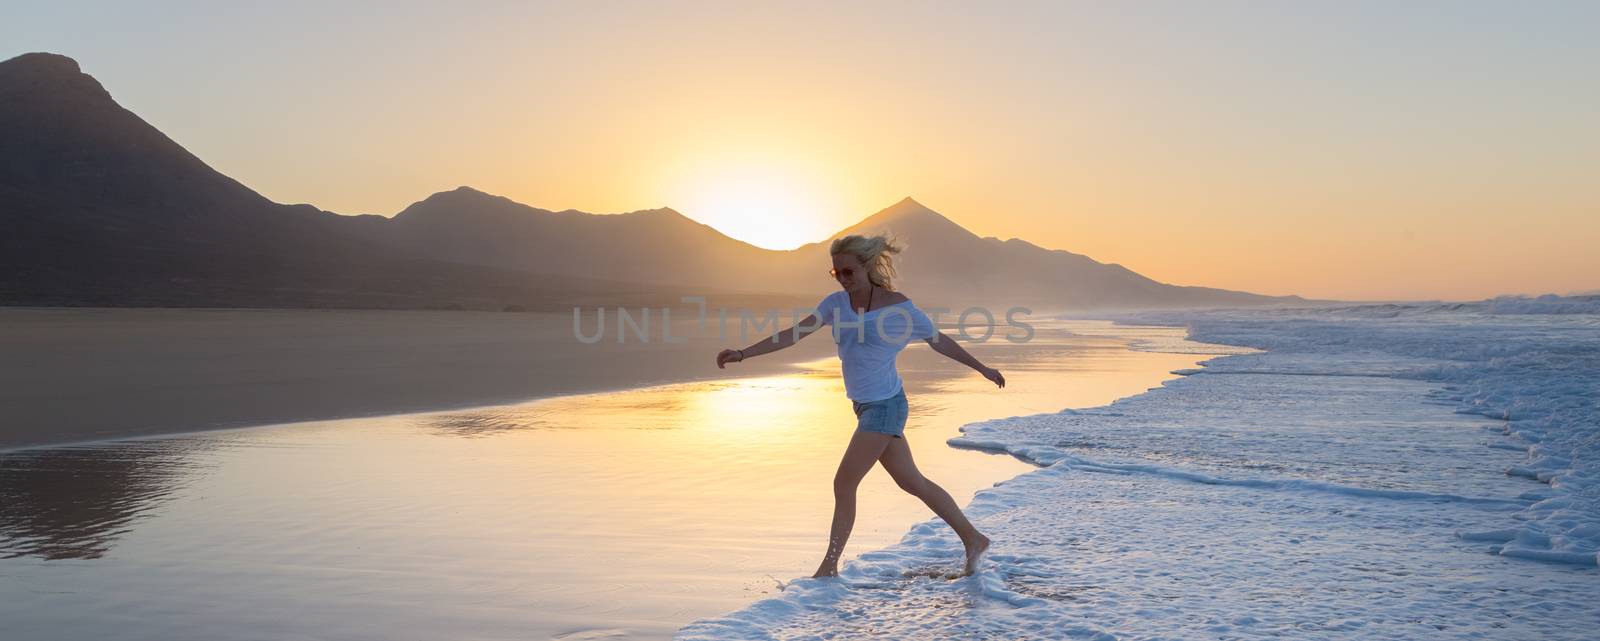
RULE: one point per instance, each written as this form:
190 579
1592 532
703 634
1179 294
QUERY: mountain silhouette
100 208
654 246
103 209
944 257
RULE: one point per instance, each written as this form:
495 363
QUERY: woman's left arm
954 351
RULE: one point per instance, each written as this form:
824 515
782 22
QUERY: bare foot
826 570
975 555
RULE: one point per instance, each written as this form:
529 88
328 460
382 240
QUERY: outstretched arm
768 345
954 351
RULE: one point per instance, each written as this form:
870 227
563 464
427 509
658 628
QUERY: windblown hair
876 252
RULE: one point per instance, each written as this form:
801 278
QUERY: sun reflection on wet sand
634 511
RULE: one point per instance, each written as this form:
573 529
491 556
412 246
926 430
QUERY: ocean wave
1533 363
1319 488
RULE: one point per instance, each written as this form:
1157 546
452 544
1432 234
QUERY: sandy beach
70 375
623 514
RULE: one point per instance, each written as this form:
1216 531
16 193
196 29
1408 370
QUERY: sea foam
1380 471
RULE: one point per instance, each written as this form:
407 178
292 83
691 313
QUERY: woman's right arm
785 338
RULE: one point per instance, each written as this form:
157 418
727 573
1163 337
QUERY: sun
765 204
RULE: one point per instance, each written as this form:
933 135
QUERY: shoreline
876 568
487 473
86 375
215 429
1284 501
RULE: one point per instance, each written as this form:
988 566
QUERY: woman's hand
993 375
728 356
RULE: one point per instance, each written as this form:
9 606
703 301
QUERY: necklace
870 291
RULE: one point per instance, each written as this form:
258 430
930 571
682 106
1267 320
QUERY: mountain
943 257
101 208
944 264
654 246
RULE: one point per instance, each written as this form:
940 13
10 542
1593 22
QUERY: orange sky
1343 152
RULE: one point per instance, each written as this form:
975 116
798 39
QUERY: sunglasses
846 272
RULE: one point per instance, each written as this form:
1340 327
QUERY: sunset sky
1347 150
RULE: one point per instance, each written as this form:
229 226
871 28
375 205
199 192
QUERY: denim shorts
887 416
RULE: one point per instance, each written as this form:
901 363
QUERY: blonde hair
873 251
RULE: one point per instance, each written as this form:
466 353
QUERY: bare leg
897 460
858 459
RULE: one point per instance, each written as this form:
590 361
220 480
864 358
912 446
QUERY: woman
871 324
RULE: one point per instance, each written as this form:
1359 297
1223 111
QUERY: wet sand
69 375
617 515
